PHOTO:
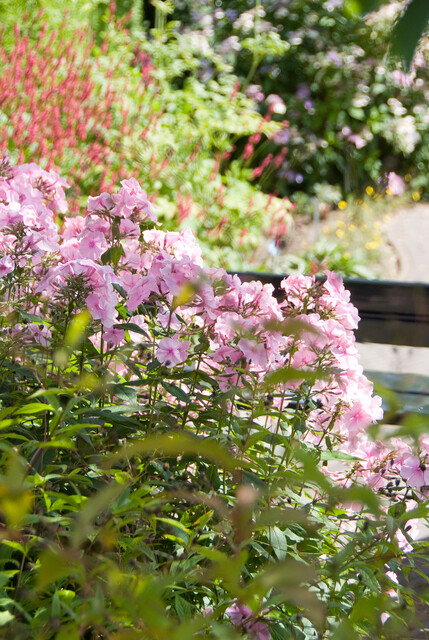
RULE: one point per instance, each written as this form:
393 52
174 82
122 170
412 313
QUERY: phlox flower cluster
150 296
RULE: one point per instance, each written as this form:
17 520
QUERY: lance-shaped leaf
175 444
409 29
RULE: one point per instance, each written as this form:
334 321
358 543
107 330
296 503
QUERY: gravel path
407 232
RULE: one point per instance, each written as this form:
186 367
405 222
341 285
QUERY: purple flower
254 92
303 91
231 14
282 137
335 58
241 616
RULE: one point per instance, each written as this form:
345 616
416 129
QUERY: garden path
406 236
407 232
406 242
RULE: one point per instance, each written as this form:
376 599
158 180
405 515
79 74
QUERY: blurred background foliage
233 115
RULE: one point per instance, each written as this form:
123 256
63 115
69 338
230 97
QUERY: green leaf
359 7
32 409
337 455
69 632
55 564
76 329
278 515
357 113
183 607
93 508
286 374
279 633
178 443
5 617
177 392
409 29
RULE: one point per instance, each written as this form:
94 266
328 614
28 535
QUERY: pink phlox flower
395 184
33 182
361 415
258 630
317 339
168 319
424 444
10 215
141 291
101 203
7 193
186 247
303 357
155 238
129 229
6 266
402 450
101 302
415 472
132 198
337 298
412 531
228 379
172 351
92 244
134 259
226 354
254 352
226 325
69 249
72 227
114 337
175 274
207 303
97 224
40 333
102 306
296 287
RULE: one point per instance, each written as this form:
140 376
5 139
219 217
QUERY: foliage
409 26
354 114
140 108
183 454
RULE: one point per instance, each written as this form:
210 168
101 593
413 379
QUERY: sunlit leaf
178 443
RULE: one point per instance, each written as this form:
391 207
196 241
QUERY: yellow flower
369 190
339 233
372 245
416 196
342 204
